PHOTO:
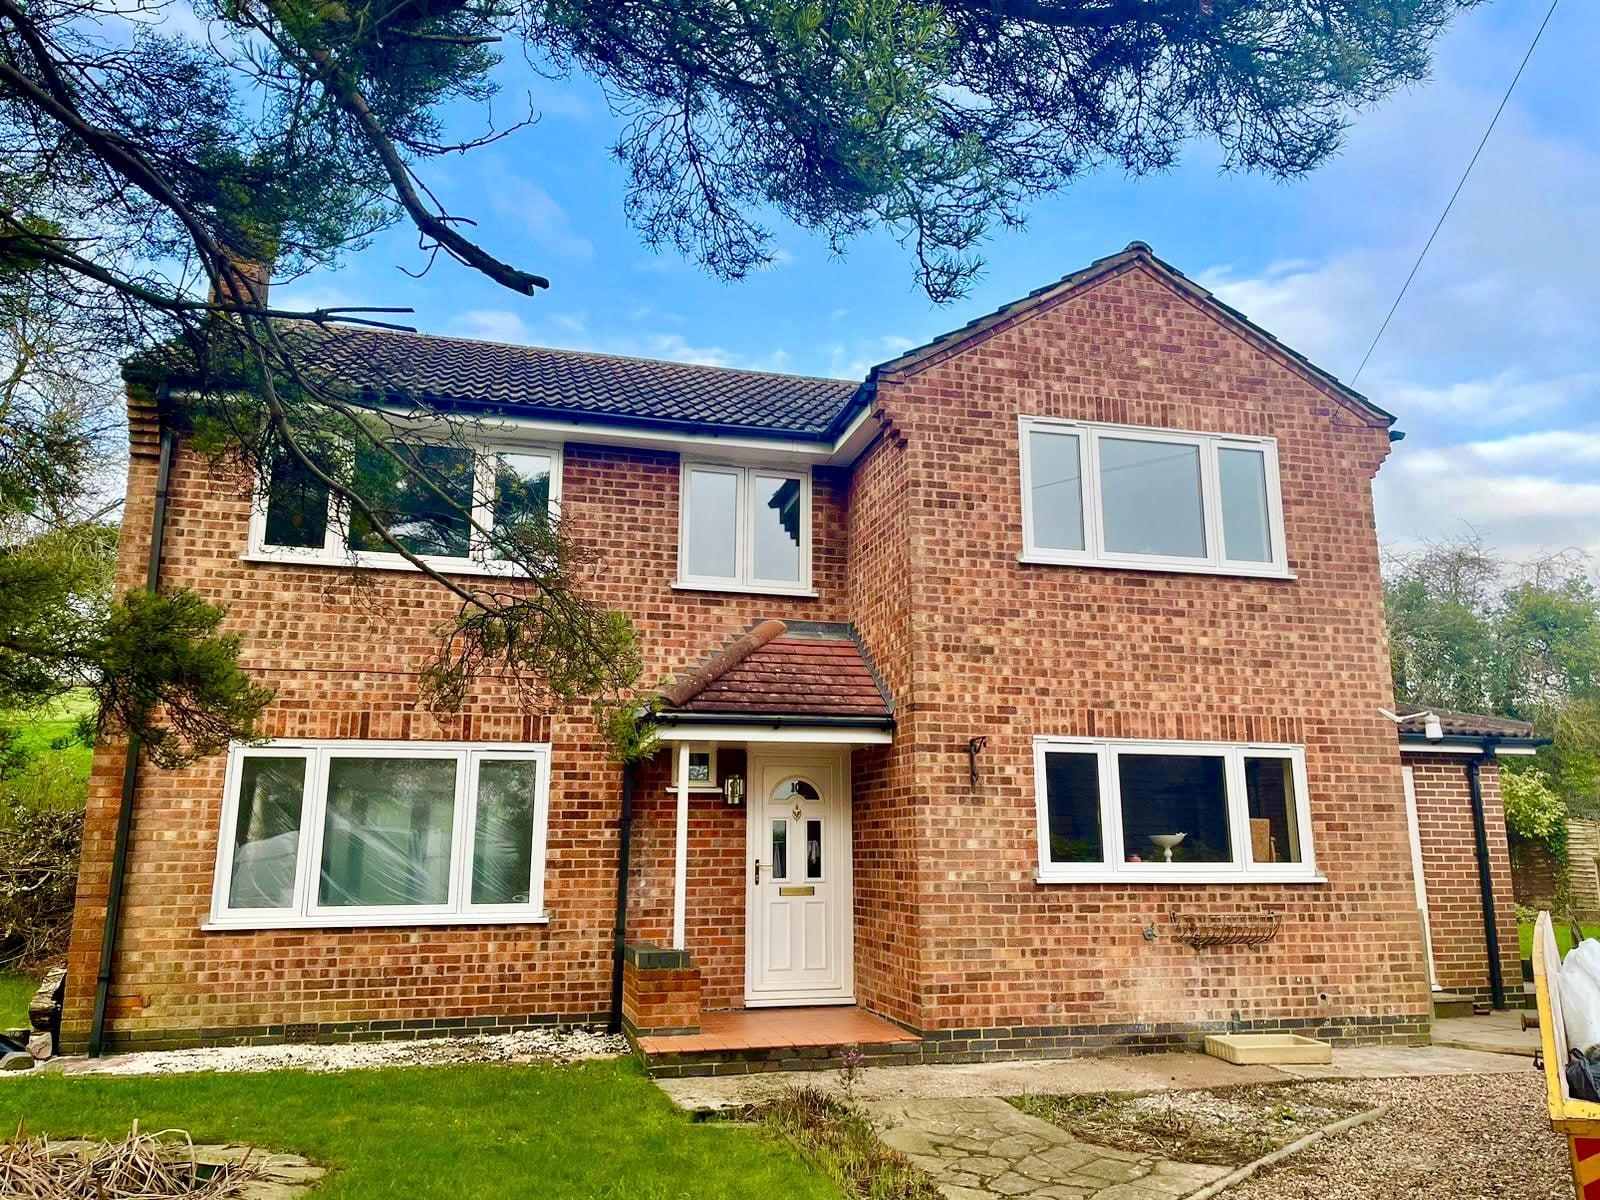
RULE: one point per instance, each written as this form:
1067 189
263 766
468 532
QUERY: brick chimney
256 277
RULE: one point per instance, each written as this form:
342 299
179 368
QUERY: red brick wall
1450 867
344 661
1008 651
1535 875
887 861
714 924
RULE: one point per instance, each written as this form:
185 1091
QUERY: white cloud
535 213
492 325
570 331
1435 494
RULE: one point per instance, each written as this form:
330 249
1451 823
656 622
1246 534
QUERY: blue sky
1492 363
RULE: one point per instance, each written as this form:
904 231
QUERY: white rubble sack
1580 996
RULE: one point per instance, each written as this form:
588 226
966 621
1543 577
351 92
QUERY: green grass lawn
1563 937
596 1130
58 774
15 992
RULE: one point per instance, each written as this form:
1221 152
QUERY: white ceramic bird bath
1166 841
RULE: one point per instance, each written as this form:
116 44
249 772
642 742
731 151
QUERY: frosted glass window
745 529
713 551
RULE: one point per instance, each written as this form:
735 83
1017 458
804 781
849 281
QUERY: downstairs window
318 834
1171 811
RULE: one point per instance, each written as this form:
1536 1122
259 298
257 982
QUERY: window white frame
335 549
714 784
744 578
1116 870
305 912
1094 553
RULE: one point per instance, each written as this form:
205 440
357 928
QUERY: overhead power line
1538 33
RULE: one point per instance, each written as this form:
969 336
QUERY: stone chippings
529 1045
1470 1137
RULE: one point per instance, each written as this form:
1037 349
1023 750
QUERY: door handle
758 870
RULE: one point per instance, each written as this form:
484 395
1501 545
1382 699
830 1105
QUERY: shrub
38 878
1535 812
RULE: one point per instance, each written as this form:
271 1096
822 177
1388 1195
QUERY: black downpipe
1480 835
620 929
130 779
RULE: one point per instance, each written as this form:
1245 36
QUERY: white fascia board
1501 751
840 452
834 735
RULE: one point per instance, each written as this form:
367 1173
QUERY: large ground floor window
1171 811
319 834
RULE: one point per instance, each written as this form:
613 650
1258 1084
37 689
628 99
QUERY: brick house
1027 700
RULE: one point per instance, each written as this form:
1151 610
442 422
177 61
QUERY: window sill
1232 878
1159 568
383 562
745 589
370 921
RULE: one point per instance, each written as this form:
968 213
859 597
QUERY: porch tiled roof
1461 724
808 670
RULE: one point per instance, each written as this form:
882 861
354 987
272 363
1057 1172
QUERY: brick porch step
778 1039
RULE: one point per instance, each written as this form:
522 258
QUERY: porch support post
680 875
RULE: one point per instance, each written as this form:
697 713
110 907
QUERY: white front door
798 941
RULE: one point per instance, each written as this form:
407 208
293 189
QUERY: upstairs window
429 496
1176 812
744 529
1119 496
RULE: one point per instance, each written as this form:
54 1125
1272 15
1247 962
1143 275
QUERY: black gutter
774 720
619 930
1420 743
130 778
1480 836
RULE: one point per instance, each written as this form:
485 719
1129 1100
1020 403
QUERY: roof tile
442 371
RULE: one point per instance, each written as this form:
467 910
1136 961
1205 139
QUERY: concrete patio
1139 1073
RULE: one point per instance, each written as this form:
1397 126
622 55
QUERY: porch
748 1041
738 925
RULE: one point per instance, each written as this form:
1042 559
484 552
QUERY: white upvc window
1171 812
331 834
744 528
295 519
1129 496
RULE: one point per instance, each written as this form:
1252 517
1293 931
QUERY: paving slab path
981 1148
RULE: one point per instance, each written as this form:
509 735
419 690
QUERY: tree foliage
1472 632
142 172
155 663
1534 810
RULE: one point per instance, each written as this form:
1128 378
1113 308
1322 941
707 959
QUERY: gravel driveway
1475 1137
